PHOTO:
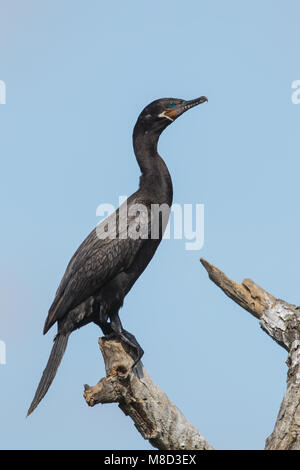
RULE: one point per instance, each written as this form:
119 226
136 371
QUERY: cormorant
114 255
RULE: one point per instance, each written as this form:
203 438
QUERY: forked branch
159 420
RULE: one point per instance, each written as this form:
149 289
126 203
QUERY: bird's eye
171 105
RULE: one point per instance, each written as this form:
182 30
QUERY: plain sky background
78 73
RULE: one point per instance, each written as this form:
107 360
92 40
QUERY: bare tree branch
154 415
281 321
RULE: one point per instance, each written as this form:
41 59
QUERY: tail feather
58 349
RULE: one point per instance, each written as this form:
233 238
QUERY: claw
130 339
114 329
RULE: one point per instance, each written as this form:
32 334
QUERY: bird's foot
130 339
114 329
109 336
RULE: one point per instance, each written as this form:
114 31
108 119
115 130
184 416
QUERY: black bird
114 255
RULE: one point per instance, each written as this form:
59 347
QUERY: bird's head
160 113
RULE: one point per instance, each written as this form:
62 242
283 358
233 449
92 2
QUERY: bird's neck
155 178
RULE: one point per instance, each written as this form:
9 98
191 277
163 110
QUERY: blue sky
77 75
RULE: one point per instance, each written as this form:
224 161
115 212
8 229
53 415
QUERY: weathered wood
281 321
154 415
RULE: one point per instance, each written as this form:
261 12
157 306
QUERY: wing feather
106 252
